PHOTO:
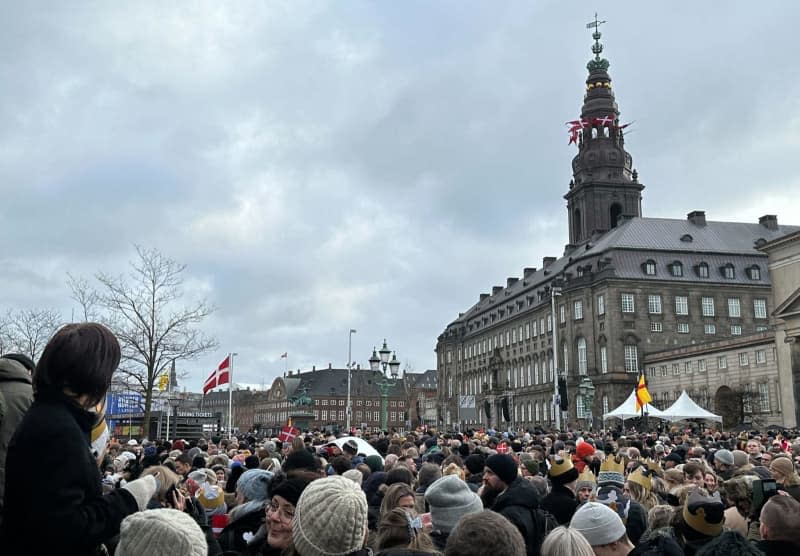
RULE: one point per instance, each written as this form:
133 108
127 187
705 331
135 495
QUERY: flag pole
230 395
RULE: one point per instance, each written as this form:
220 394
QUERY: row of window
707 306
709 329
760 357
325 415
702 270
754 399
359 402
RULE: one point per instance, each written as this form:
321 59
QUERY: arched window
564 357
530 413
538 415
614 213
581 355
605 404
529 374
577 227
536 371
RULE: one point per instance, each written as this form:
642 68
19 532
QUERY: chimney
496 289
483 296
330 366
547 261
313 368
528 271
511 281
697 217
769 221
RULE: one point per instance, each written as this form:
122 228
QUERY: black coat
777 548
232 537
516 503
53 501
561 502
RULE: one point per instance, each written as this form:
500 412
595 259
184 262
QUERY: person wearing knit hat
161 532
586 486
449 499
374 462
741 461
244 520
701 519
280 515
354 475
584 454
783 471
516 497
602 527
330 518
724 463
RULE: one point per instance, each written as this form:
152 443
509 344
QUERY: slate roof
333 382
427 380
634 241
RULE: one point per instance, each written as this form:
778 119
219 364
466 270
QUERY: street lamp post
554 291
375 362
349 410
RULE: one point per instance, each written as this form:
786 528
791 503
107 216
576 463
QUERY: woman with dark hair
54 502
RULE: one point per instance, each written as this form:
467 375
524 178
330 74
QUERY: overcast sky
321 166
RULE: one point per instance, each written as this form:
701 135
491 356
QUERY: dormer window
702 270
649 268
579 271
728 271
686 238
754 273
676 269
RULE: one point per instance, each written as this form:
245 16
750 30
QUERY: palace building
627 286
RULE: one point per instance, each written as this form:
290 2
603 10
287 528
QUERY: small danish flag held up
288 433
219 377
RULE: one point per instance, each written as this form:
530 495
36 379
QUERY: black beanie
463 450
474 464
299 459
503 466
252 462
290 489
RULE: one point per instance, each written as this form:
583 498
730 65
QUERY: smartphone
426 520
763 490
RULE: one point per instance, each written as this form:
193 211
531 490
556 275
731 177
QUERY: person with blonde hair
453 469
167 481
399 495
565 541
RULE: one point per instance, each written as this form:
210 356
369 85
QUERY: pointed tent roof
627 410
685 408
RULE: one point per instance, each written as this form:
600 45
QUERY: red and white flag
284 355
218 377
288 433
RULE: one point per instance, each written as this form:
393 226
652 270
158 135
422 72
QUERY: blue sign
125 403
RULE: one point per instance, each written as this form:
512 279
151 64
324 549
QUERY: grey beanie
330 518
161 532
450 499
598 523
724 456
254 485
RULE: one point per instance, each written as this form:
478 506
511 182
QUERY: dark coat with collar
561 502
516 503
16 395
53 501
777 548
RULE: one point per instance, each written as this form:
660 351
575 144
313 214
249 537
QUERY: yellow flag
642 395
163 381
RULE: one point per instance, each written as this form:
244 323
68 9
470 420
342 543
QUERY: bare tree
144 309
27 330
86 296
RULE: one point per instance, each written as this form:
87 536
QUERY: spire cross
597 48
596 24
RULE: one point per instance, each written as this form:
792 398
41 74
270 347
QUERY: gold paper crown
704 514
559 466
613 465
655 467
586 476
641 477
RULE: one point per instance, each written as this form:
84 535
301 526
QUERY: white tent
628 409
685 408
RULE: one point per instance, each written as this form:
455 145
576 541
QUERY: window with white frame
627 303
729 272
707 304
761 328
601 304
683 328
734 307
760 308
763 397
534 332
508 338
702 270
681 305
656 327
662 370
527 331
651 372
654 304
605 404
580 410
536 372
736 330
744 360
519 332
549 322
761 356
631 358
709 329
581 355
722 362
676 369
324 415
701 366
755 273
650 268
603 359
541 326
562 313
537 412
513 335
577 310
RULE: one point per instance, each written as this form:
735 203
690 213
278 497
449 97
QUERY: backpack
543 523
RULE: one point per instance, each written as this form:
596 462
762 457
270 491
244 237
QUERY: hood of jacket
10 370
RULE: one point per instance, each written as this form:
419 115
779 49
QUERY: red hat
584 450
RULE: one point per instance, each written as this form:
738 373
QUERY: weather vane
597 48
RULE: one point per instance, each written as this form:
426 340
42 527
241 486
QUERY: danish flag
219 377
288 433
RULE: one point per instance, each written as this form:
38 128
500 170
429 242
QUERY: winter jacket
777 548
16 395
516 503
561 502
232 537
53 501
658 542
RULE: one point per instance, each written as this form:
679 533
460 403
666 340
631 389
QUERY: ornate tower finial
597 47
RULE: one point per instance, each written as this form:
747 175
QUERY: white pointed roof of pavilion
627 410
686 408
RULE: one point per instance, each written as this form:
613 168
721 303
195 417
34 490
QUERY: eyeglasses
283 513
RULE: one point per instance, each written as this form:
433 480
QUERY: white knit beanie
162 532
598 523
330 518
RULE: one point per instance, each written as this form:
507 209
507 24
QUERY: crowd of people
68 487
